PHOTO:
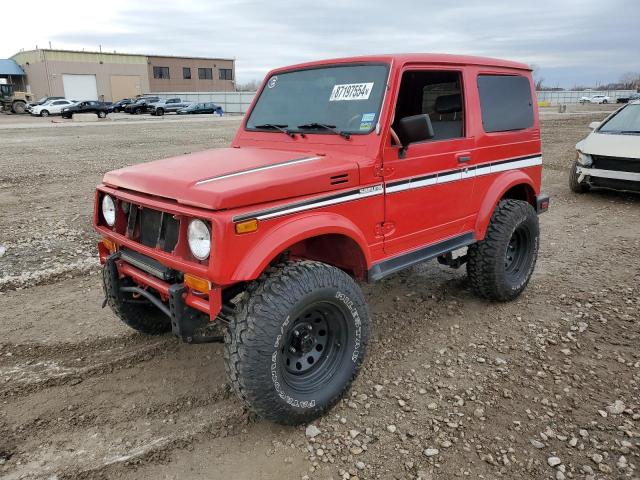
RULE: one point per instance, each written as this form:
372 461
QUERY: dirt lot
547 386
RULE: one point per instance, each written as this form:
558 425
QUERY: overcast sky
571 41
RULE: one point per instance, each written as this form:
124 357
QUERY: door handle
463 158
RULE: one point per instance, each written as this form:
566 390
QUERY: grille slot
156 229
338 179
616 163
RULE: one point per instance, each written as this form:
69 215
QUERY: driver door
428 187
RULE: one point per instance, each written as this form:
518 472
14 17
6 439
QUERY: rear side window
505 101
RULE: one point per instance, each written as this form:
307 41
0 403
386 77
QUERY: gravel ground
545 387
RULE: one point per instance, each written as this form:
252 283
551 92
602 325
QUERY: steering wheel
351 121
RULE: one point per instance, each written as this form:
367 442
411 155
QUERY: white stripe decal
446 177
378 189
363 193
258 169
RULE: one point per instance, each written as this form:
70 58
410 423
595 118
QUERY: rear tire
18 107
297 341
500 266
143 317
574 184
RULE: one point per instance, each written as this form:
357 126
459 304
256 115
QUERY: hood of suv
611 145
234 177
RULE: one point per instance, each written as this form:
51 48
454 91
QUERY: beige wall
176 82
54 70
126 86
114 71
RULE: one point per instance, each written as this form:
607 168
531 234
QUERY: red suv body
406 158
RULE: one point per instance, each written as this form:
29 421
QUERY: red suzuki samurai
343 170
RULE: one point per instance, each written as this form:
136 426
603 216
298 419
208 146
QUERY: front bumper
612 174
163 287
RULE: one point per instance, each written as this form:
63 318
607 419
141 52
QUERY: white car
610 156
595 99
52 107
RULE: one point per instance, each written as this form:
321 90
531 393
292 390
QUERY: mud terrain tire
297 341
574 184
143 317
500 266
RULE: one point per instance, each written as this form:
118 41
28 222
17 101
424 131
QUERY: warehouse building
109 77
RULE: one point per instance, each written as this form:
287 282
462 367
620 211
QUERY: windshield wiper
274 126
329 128
630 132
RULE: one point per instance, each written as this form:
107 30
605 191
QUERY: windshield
347 98
627 120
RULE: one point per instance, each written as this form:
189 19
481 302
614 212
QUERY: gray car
170 105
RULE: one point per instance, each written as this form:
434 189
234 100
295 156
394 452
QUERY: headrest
449 103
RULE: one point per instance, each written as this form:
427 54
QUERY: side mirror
594 125
416 128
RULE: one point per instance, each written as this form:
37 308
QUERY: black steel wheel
500 266
297 341
313 349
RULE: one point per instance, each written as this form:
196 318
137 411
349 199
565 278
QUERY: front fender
496 191
292 231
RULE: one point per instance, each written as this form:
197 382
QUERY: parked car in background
141 105
595 99
42 101
120 104
171 105
52 107
628 98
86 106
201 108
610 156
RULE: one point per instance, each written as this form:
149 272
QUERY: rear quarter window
505 102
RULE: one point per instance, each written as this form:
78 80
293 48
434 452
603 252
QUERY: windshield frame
611 117
294 129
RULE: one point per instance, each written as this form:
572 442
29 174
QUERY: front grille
615 184
153 228
616 163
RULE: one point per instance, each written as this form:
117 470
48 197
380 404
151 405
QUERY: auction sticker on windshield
351 91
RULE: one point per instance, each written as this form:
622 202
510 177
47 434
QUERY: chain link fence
239 102
231 102
566 97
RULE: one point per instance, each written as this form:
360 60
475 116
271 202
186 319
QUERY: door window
436 93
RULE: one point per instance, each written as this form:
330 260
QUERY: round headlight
199 238
108 210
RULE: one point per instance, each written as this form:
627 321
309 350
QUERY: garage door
125 86
80 87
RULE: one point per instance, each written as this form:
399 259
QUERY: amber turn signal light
247 226
197 283
109 245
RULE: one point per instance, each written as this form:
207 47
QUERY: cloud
573 41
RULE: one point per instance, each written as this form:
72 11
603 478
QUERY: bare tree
630 80
250 86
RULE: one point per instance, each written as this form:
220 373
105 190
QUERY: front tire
102 114
500 266
159 112
297 341
574 184
135 313
44 113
